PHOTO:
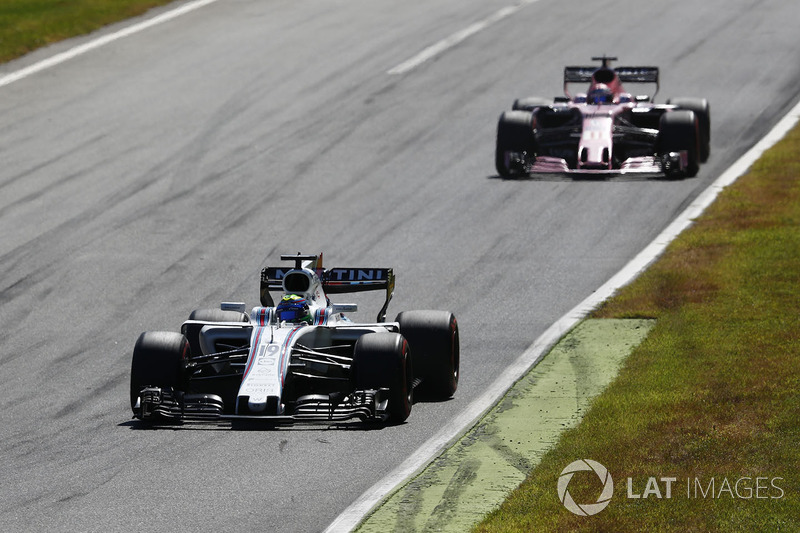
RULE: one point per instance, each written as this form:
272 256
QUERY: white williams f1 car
300 359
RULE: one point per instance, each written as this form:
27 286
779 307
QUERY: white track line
101 41
456 38
431 449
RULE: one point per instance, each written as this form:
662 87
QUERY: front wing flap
673 163
166 405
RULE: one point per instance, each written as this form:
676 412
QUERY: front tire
514 138
702 110
381 360
158 361
679 130
435 350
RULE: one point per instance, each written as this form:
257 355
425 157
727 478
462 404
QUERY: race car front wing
671 164
168 405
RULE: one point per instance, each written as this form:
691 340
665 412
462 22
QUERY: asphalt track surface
159 173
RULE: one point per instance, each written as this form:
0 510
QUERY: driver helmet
600 94
293 308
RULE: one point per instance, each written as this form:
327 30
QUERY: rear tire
530 103
192 331
679 130
380 360
158 361
435 350
217 315
514 136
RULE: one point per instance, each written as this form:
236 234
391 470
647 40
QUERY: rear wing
578 74
624 74
335 281
638 74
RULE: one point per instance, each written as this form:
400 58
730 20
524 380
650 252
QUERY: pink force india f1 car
605 130
300 359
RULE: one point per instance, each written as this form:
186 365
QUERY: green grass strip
710 398
26 25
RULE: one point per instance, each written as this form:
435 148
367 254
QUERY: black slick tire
530 103
514 136
158 361
435 350
192 331
679 130
217 315
381 360
702 110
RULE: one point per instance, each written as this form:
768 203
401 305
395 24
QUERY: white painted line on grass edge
101 41
456 38
431 449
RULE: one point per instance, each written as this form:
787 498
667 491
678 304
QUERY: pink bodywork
595 148
596 145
